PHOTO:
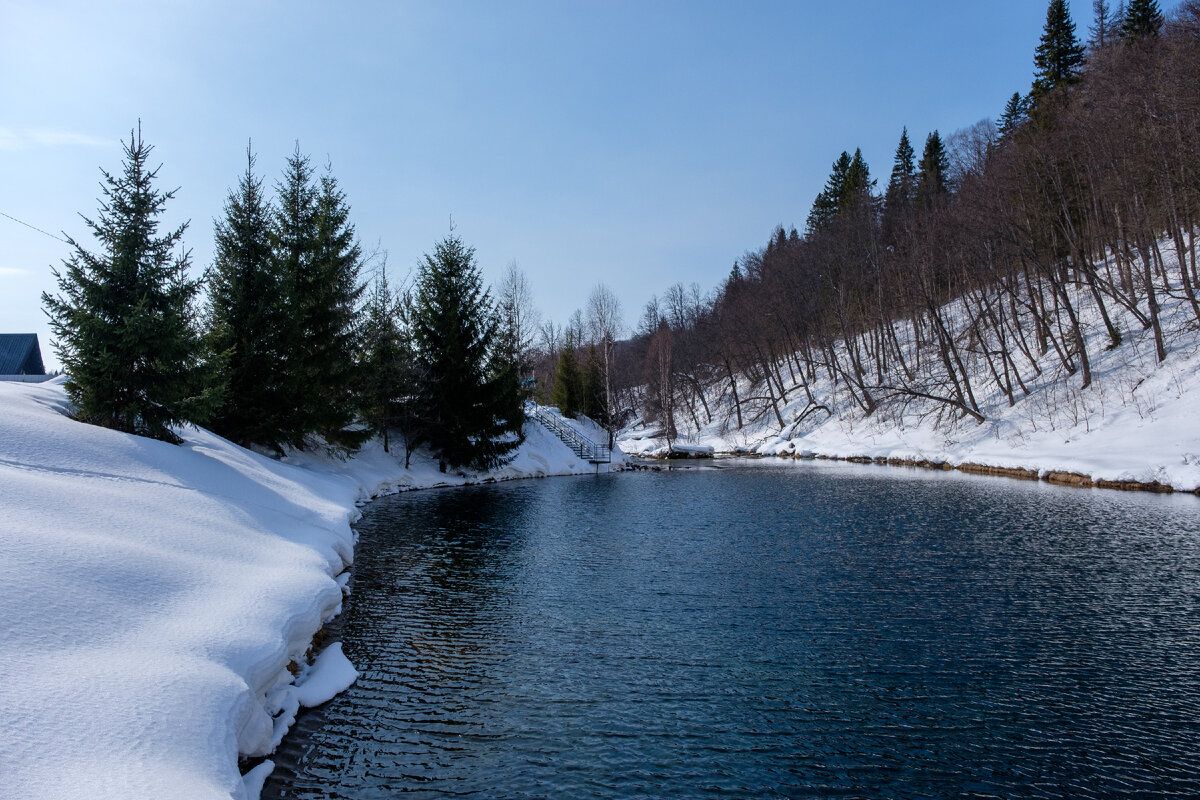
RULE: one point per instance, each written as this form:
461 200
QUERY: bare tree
605 326
520 317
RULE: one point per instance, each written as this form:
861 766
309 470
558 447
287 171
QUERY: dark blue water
785 630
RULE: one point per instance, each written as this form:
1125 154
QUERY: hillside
1135 423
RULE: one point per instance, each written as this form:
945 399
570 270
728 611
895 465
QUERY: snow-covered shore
1137 424
155 595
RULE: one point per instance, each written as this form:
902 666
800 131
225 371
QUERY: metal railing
581 445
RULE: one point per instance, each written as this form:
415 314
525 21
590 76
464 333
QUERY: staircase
580 445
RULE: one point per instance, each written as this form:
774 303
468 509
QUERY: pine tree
124 323
328 300
932 171
857 186
1016 110
316 252
825 206
248 319
568 383
1142 19
466 416
1058 59
385 374
293 245
592 402
901 189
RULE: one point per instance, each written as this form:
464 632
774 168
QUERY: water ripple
788 631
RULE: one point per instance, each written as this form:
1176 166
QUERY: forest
969 263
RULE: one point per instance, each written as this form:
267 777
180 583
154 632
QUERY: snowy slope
1137 422
154 596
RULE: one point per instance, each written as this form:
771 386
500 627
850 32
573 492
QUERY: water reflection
783 630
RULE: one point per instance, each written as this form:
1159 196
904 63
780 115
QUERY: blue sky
631 143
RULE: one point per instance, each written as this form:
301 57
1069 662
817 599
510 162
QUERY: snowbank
154 597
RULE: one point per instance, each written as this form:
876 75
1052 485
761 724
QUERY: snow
1136 423
328 676
155 595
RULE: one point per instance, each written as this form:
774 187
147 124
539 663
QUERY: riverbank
1134 427
156 595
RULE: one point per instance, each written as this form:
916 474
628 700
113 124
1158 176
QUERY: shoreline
1057 477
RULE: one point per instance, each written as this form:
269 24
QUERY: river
765 629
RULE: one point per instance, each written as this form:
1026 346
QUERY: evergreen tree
315 250
593 403
385 373
568 383
932 171
328 299
466 415
857 186
293 245
124 323
1059 55
825 206
902 183
248 319
506 369
1141 19
901 189
1016 110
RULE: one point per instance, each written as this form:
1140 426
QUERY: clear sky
632 143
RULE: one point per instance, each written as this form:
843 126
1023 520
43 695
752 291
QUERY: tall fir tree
857 186
1142 19
316 252
1016 111
1059 57
293 245
466 417
248 319
825 206
328 300
386 377
932 172
568 382
593 403
901 189
124 322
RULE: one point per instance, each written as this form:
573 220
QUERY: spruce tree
328 300
1015 112
932 172
386 378
1058 59
124 323
826 205
466 415
248 318
568 383
293 245
1142 19
316 252
902 183
901 189
856 188
593 404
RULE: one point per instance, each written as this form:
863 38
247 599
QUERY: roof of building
20 354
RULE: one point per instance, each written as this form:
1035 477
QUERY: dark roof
20 354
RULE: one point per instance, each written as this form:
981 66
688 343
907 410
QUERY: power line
33 227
